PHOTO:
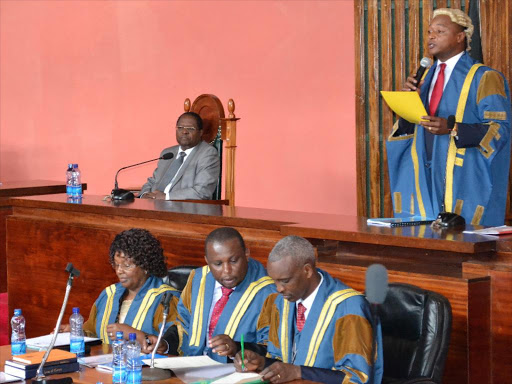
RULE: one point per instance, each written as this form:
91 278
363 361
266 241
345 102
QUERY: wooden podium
474 273
21 188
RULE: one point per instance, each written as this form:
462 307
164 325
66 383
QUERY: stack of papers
493 231
43 342
203 369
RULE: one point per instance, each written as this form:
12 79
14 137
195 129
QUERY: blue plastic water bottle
119 359
69 180
76 336
77 182
18 338
133 363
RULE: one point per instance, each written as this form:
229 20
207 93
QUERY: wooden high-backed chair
220 132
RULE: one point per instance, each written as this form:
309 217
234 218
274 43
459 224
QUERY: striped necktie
218 308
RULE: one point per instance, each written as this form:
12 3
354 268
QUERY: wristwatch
454 132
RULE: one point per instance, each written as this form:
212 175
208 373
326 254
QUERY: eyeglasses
125 267
189 129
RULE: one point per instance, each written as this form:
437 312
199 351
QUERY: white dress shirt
187 155
450 64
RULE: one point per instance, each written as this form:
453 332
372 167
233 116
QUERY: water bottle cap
133 336
17 312
119 335
75 165
76 310
70 165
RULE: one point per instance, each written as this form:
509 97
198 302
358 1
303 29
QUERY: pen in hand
243 357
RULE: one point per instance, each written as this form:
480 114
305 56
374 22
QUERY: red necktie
301 319
218 308
438 91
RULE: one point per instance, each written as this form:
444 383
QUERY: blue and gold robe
337 334
145 312
467 175
238 317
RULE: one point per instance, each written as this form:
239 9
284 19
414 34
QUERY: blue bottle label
118 374
134 376
18 347
69 190
77 346
77 190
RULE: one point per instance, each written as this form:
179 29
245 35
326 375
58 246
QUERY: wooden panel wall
390 36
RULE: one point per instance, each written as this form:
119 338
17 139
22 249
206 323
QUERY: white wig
459 18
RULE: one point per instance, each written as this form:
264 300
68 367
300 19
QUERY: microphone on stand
123 194
376 291
152 373
40 378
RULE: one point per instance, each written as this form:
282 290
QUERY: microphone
40 378
424 64
123 194
376 283
156 374
376 291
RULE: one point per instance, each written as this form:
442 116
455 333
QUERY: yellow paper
406 104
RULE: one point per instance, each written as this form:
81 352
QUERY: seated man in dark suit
193 171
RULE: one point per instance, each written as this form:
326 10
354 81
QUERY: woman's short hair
142 248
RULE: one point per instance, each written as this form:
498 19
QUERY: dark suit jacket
196 179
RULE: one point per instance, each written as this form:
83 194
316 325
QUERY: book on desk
25 366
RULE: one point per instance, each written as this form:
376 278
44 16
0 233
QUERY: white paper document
5 378
494 231
183 362
42 342
239 377
194 375
94 361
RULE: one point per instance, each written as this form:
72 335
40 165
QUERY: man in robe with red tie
457 160
316 328
221 301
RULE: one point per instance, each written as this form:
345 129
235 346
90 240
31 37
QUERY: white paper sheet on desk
42 342
184 362
5 378
239 377
194 375
95 360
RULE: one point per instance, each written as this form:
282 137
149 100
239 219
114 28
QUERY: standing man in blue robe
316 328
462 167
221 301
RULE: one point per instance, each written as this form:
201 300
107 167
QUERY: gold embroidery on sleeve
479 212
494 115
491 84
397 197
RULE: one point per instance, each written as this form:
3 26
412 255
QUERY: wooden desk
91 375
44 233
21 188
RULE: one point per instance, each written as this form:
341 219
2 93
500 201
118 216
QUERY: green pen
243 356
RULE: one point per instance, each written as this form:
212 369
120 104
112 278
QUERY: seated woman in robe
132 305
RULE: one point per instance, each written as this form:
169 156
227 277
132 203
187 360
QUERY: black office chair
177 276
416 327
